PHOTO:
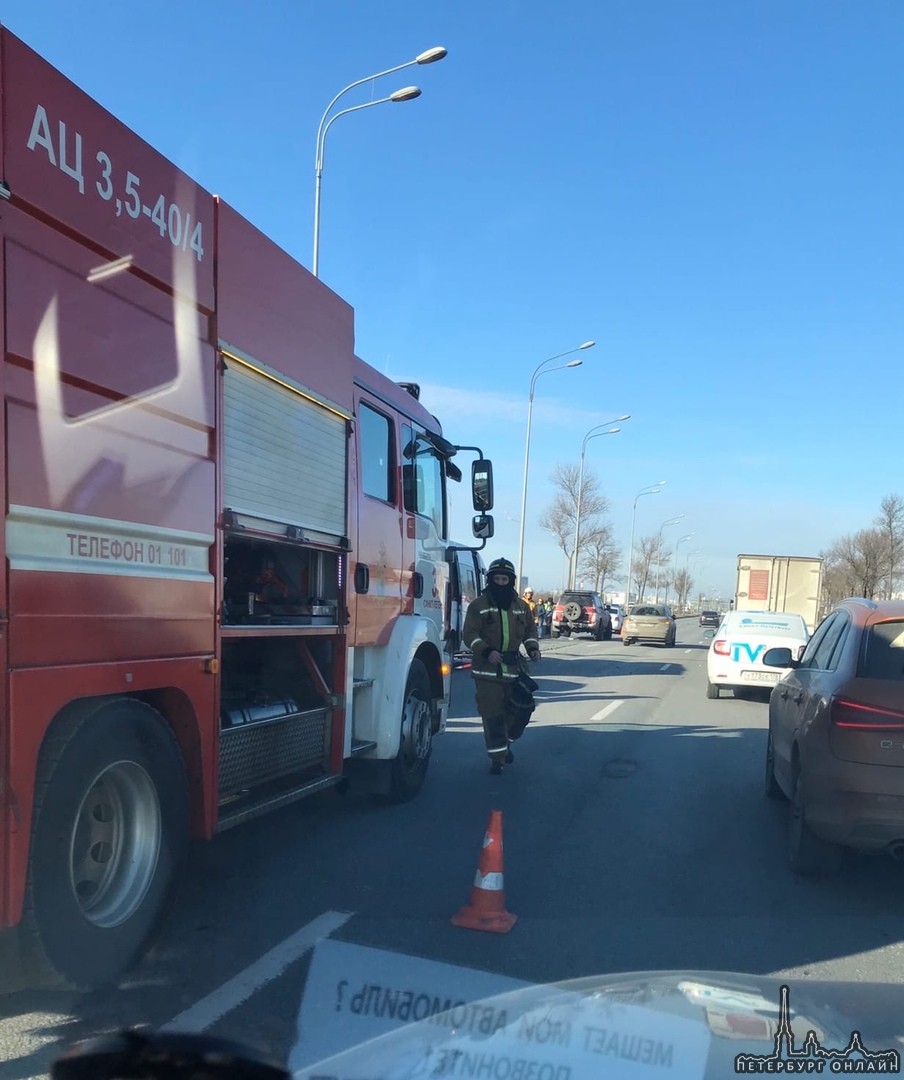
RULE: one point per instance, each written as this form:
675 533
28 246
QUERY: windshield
274 277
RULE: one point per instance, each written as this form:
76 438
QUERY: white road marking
204 1013
610 708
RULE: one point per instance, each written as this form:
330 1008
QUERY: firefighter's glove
535 654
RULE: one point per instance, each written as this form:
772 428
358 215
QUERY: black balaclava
503 595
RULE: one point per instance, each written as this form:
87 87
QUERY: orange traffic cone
486 911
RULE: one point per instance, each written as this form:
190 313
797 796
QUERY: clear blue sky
710 189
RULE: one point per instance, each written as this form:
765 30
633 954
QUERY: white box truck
788 583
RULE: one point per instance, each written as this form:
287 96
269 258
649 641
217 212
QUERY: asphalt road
636 834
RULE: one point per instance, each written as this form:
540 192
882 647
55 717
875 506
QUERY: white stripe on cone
492 882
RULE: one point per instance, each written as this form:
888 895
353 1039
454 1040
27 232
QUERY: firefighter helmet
501 566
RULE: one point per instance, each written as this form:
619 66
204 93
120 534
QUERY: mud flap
374 777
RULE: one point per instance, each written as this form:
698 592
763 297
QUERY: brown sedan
649 622
835 747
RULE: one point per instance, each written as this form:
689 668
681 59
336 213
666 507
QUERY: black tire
772 789
409 768
607 635
109 834
599 633
627 641
809 854
712 690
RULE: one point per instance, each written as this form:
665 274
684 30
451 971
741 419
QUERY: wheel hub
115 844
418 730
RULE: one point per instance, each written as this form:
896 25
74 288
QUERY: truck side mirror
482 526
482 485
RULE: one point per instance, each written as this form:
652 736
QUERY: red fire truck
226 536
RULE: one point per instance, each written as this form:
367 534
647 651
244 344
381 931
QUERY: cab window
375 442
424 482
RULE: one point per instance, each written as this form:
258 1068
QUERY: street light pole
538 371
671 521
429 56
652 489
593 433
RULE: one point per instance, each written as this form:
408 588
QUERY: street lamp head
574 363
587 345
407 93
430 56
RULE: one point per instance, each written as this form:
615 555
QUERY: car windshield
356 358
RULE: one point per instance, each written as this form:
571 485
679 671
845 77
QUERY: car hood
677 1024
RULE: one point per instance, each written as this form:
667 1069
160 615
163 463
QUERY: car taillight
721 647
854 714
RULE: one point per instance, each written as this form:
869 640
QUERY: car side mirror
779 657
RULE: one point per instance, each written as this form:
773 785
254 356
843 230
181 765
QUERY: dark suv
582 613
710 618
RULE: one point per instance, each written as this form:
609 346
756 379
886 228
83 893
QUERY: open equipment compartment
283 609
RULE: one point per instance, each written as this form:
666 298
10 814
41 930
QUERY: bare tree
560 517
836 580
599 556
890 524
858 561
683 585
647 552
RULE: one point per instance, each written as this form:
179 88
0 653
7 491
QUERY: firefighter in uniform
497 624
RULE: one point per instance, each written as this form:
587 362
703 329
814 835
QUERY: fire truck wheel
110 829
409 769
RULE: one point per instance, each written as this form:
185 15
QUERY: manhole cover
619 768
